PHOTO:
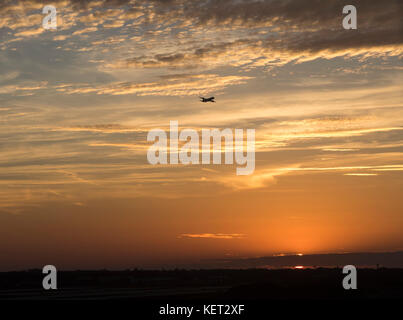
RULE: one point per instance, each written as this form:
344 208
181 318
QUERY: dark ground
264 294
253 284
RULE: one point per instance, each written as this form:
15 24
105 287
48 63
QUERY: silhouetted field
230 285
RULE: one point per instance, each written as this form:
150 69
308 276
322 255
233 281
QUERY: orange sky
76 104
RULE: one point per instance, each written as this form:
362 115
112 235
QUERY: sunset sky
76 105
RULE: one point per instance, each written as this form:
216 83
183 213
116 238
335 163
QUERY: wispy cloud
173 86
361 174
212 235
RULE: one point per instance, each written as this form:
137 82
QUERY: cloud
260 33
85 30
234 53
349 168
61 37
28 33
362 259
105 128
213 235
231 39
261 178
271 52
339 149
330 134
297 31
114 24
28 87
173 86
306 14
361 174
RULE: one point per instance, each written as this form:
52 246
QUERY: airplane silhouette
207 99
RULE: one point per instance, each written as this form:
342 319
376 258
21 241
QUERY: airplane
207 99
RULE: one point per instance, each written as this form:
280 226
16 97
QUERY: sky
77 103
